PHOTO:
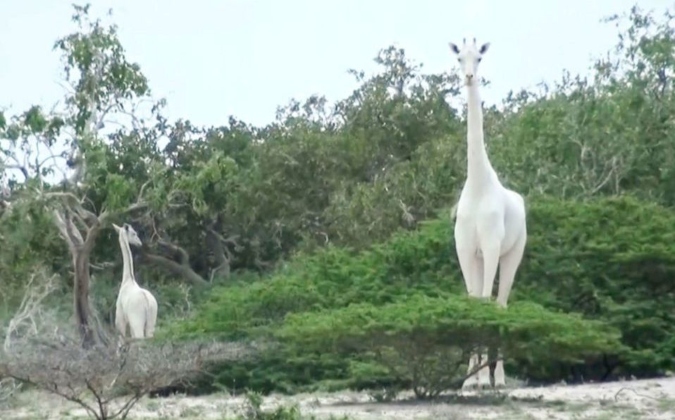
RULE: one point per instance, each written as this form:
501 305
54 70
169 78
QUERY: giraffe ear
454 47
484 48
117 228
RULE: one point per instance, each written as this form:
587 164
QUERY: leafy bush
426 342
331 278
610 259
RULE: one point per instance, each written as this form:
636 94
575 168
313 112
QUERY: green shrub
426 341
331 278
610 259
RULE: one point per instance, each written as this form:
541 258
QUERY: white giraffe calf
136 306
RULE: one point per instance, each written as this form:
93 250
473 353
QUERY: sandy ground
645 399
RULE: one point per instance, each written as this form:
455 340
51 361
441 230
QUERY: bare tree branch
30 305
105 380
181 269
108 380
221 252
176 251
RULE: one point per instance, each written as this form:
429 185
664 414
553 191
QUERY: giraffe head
469 56
129 234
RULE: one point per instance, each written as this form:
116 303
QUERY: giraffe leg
472 270
137 327
490 265
500 377
508 265
471 381
120 322
473 275
484 373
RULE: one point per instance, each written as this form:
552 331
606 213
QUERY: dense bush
609 259
425 342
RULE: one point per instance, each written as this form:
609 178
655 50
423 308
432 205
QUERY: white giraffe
490 226
136 306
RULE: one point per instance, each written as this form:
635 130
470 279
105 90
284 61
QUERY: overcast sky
215 58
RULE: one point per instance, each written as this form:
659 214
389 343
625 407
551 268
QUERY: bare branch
97 378
102 266
20 167
105 380
222 254
30 305
232 240
181 254
613 166
67 197
180 269
68 232
142 191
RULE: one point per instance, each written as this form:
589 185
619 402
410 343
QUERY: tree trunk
221 260
81 298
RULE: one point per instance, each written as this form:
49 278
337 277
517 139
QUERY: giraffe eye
480 58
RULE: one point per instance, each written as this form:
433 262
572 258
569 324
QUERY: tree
103 85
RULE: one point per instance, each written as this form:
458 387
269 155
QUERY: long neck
478 164
128 270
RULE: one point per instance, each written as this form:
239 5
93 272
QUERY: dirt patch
645 399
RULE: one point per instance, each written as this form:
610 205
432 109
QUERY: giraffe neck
128 270
479 168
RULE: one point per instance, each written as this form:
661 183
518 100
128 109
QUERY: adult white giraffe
136 306
490 226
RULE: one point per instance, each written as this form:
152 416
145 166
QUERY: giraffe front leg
472 381
484 373
120 322
490 251
500 377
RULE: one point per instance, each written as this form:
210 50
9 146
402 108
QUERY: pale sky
215 58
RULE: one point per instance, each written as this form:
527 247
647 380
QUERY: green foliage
332 278
608 259
328 207
456 321
425 341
